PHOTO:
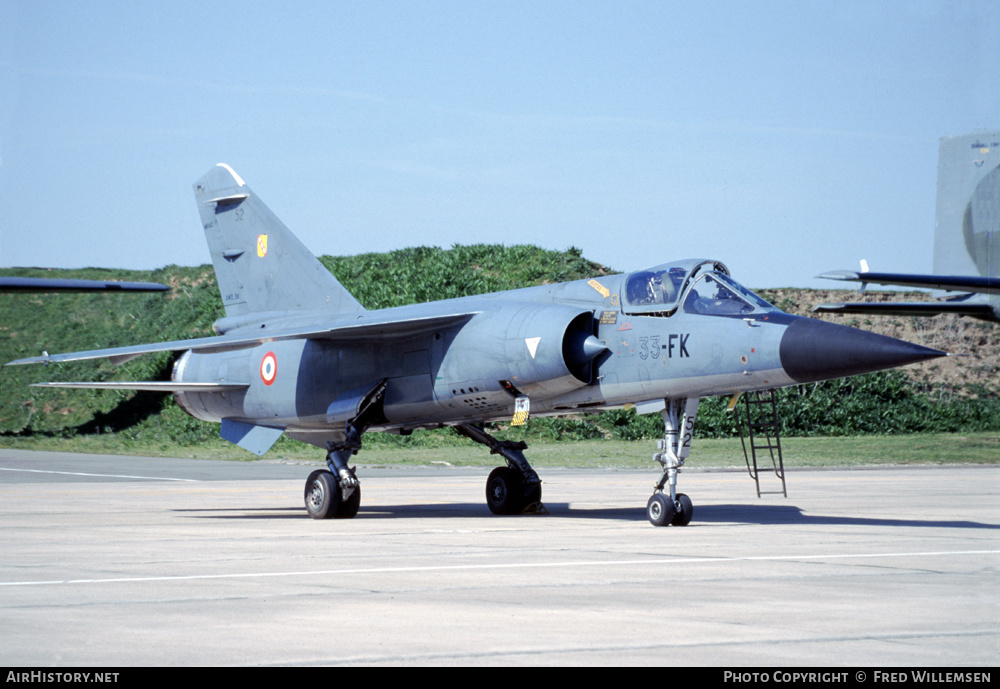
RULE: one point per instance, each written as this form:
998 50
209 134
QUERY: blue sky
783 138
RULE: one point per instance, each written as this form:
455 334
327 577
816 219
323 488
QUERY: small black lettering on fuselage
676 346
677 342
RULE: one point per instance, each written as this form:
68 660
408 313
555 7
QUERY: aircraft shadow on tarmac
763 515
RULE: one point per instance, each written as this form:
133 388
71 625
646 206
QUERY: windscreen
718 295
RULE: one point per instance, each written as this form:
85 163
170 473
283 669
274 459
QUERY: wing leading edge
148 386
358 327
37 285
962 305
951 283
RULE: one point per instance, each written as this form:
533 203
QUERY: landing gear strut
335 493
671 507
515 488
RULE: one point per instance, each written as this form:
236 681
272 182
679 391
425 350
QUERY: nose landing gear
671 507
661 510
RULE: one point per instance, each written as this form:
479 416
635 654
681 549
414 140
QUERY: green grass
875 419
712 453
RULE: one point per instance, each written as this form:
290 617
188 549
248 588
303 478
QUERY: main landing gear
511 489
335 493
515 488
671 507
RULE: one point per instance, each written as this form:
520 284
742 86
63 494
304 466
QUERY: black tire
322 494
533 499
348 509
505 491
685 510
660 509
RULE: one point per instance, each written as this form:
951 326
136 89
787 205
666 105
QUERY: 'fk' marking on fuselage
680 341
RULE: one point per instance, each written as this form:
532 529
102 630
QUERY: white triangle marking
532 343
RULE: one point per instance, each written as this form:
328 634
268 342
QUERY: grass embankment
708 453
889 417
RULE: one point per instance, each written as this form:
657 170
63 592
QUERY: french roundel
269 368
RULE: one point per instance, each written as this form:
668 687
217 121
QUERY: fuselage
676 331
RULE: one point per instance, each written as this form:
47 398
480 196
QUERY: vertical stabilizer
967 227
259 264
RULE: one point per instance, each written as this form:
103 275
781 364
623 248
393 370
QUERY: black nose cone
814 350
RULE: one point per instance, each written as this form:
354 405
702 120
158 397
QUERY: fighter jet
297 354
966 239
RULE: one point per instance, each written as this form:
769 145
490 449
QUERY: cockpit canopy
703 286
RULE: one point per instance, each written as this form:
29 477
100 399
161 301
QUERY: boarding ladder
761 424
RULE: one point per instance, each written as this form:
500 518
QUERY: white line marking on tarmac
523 565
80 473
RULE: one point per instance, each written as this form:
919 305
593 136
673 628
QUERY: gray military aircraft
966 238
297 354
